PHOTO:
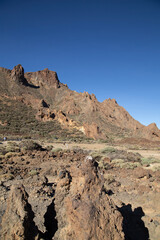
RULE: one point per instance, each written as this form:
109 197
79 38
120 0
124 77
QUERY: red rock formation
42 78
83 210
82 110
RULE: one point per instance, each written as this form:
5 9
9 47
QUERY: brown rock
93 131
141 173
99 120
84 211
45 78
17 74
17 222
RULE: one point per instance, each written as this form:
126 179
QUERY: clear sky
107 47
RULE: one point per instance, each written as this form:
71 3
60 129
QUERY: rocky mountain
40 103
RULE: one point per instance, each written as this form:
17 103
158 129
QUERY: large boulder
83 210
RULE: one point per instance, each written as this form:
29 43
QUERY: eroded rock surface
73 199
17 74
84 211
17 222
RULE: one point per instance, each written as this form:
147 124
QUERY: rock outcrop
153 130
17 74
83 210
42 78
17 222
93 131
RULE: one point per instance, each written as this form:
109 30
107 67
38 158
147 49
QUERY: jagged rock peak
152 125
90 96
111 101
153 129
17 74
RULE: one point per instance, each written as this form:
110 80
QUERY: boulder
83 210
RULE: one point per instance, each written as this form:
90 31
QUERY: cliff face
44 77
71 109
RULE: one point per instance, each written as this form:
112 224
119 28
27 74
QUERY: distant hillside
37 104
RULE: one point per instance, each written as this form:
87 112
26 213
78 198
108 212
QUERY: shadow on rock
50 223
17 221
133 226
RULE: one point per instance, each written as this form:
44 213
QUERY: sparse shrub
156 168
108 150
56 150
117 161
9 155
109 178
31 145
49 148
2 150
12 147
103 164
128 165
76 148
2 157
133 157
147 161
135 147
97 156
33 172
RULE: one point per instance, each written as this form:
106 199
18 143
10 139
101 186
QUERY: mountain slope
47 101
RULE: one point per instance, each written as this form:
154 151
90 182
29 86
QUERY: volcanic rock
83 210
93 131
45 78
17 74
17 222
81 111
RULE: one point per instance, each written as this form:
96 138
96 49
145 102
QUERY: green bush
108 150
128 165
149 160
56 150
33 172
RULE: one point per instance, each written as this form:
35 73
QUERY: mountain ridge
52 100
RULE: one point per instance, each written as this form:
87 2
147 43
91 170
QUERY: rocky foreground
66 194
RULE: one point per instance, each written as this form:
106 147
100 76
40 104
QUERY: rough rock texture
44 77
83 210
98 120
61 186
153 129
17 222
93 131
17 74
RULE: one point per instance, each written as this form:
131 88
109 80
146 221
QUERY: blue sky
107 47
